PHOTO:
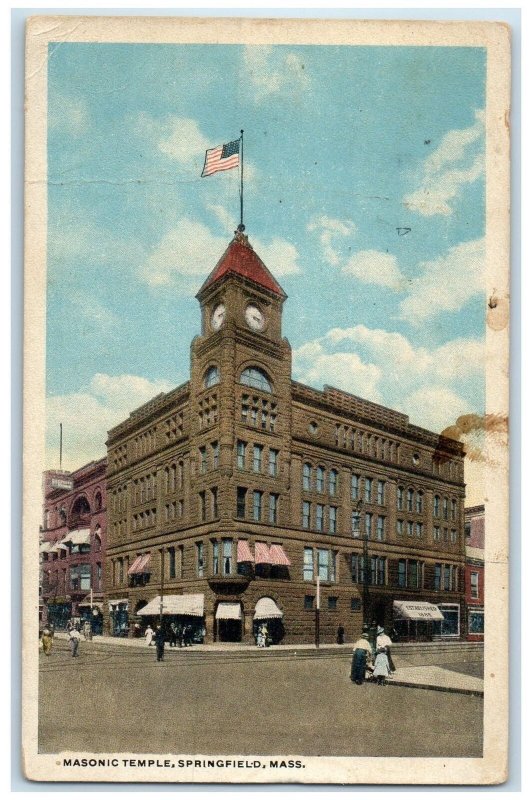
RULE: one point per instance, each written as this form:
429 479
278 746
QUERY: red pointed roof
241 259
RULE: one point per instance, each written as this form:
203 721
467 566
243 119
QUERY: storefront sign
67 484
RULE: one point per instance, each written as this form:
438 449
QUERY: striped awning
278 556
267 608
243 552
139 566
188 604
262 553
229 611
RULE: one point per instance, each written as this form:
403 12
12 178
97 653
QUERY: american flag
225 156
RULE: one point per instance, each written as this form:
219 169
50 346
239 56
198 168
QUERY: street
117 699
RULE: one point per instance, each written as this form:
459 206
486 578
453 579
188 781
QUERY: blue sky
343 147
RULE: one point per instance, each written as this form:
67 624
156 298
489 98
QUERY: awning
117 602
96 604
81 536
139 566
58 546
278 556
267 608
262 554
229 611
187 604
243 552
410 609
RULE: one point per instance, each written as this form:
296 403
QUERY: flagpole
241 227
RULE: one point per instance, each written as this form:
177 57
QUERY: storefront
228 619
449 627
91 610
184 610
268 614
415 621
58 613
119 617
475 623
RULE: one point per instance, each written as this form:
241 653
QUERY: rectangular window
380 528
80 576
419 502
367 490
436 505
355 523
368 525
399 527
241 502
436 534
171 562
214 502
203 506
307 473
445 508
199 559
308 564
241 454
437 577
450 625
320 479
227 556
257 506
381 571
333 482
203 459
273 506
306 514
215 558
419 529
453 537
254 416
215 455
333 515
355 483
323 564
475 621
272 462
447 577
401 573
257 458
413 575
332 603
474 585
410 528
356 604
181 564
380 492
453 510
308 602
319 517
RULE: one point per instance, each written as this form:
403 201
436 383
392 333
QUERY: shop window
475 621
450 625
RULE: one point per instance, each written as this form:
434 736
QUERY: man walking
159 643
74 638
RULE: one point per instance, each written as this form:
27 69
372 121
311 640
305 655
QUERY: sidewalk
438 679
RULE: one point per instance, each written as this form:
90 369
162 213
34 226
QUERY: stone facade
242 453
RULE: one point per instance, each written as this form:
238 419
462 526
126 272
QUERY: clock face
255 318
218 316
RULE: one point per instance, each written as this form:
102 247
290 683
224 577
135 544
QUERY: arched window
320 479
307 473
98 501
256 378
81 506
419 502
410 500
211 377
333 482
436 505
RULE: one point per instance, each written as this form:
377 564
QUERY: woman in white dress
148 634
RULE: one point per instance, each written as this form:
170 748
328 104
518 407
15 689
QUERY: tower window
256 378
211 377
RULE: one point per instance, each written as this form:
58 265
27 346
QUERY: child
382 667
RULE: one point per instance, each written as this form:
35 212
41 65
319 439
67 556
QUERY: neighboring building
72 544
474 572
230 494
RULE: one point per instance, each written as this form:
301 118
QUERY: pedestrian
179 635
173 635
187 635
361 659
148 635
382 668
159 643
47 640
74 639
383 640
87 630
340 634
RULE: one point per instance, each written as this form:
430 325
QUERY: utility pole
317 618
162 589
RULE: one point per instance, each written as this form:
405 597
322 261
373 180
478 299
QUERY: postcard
266 401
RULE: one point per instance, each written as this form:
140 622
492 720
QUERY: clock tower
241 377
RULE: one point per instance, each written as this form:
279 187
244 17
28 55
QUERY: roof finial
241 237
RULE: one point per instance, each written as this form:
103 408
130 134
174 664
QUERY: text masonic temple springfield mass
232 494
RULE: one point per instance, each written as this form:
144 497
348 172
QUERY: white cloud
68 114
457 161
272 71
430 385
179 138
374 266
447 283
330 230
89 413
190 250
